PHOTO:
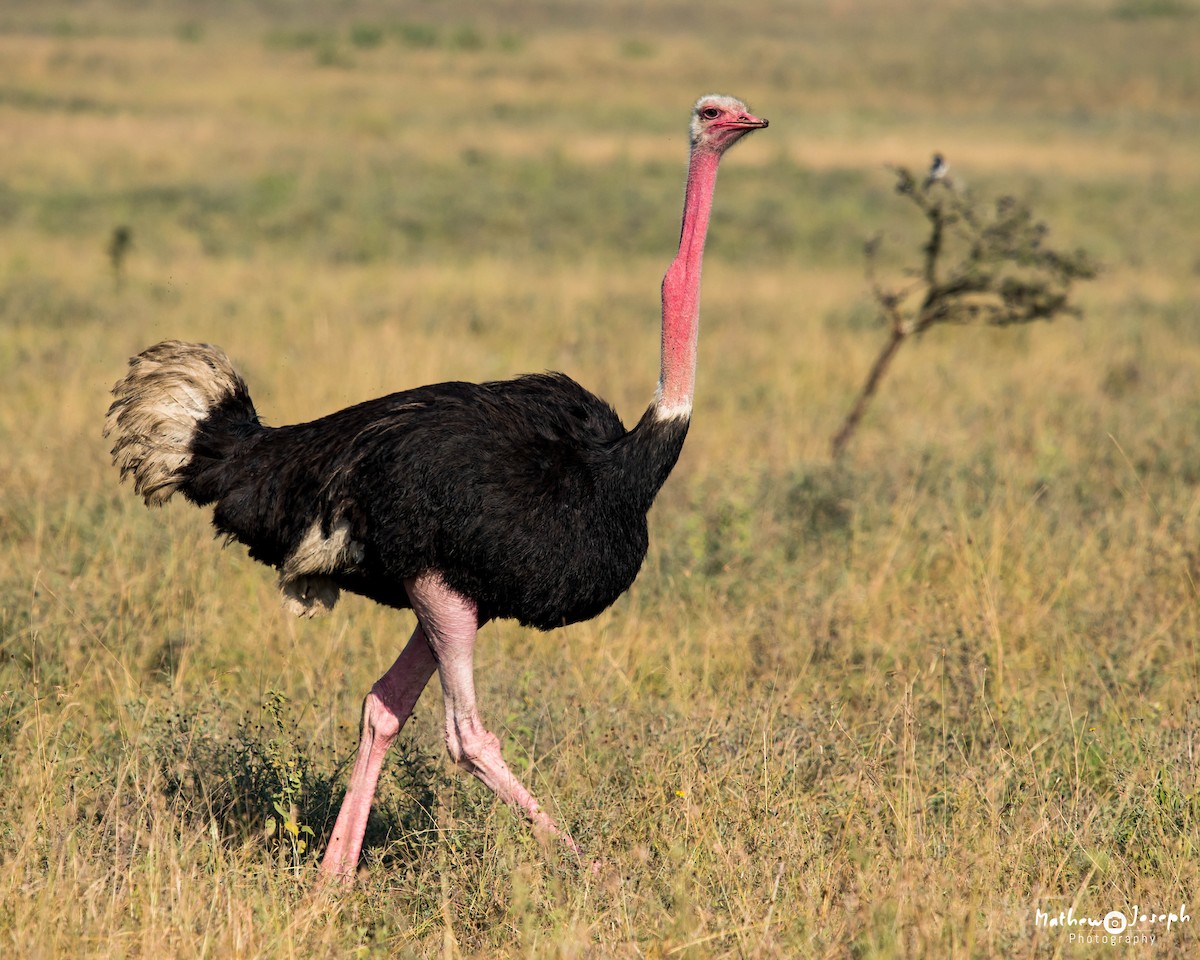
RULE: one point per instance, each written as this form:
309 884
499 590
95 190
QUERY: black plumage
522 499
527 495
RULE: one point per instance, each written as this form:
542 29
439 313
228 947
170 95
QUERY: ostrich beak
750 122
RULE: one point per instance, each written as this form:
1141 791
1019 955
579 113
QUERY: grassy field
890 707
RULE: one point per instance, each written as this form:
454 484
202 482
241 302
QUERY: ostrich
522 499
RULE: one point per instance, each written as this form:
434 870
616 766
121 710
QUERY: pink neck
681 292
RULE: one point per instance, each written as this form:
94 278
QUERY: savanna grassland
891 706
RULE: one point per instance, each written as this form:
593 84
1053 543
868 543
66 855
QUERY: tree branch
991 268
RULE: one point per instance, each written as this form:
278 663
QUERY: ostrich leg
385 709
450 622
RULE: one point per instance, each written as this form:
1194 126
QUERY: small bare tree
118 249
990 267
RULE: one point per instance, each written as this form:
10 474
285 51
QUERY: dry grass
889 709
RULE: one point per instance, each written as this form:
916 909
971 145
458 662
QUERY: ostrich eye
710 113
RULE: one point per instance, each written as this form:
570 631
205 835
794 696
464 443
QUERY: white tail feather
168 390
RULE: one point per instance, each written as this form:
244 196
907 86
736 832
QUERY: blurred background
883 706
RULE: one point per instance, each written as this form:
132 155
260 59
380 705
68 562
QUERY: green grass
888 708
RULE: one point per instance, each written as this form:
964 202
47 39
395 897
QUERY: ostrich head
719 122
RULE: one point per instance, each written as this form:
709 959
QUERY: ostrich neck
681 293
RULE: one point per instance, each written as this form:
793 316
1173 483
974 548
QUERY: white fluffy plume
168 390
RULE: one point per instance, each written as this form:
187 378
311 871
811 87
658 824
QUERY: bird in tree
464 502
938 168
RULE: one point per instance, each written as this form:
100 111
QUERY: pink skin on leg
444 640
451 623
385 710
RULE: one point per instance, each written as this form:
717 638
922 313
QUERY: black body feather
527 495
